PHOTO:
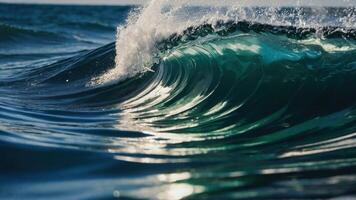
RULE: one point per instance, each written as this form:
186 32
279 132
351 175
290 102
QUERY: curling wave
223 110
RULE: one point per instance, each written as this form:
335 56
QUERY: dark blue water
33 39
244 110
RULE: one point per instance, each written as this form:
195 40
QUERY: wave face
224 106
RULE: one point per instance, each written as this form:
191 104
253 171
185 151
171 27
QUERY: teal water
235 110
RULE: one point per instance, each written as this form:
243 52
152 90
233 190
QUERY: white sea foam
156 21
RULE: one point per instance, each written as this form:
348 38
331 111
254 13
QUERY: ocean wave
228 100
220 109
240 79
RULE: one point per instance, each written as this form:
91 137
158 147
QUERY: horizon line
243 3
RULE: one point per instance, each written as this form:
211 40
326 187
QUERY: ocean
177 101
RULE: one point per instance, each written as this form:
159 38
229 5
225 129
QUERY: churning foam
159 19
135 42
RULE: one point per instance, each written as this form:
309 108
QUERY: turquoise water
234 110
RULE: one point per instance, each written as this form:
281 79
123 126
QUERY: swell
10 33
19 37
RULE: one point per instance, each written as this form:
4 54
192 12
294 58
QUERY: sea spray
136 41
135 44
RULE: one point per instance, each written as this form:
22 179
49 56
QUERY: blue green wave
241 111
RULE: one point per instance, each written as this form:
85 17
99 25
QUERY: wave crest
136 43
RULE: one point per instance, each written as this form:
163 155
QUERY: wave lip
158 20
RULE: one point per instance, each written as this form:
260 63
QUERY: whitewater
145 27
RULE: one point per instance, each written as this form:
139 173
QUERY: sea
177 101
